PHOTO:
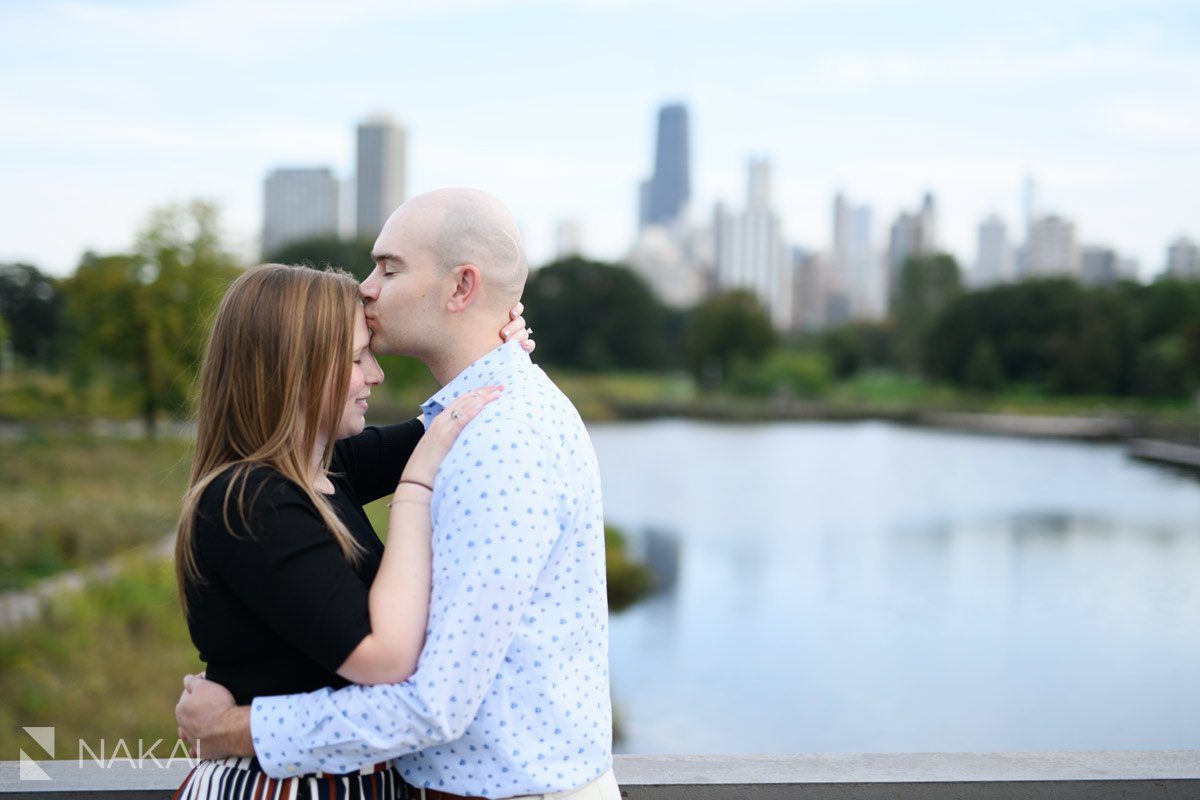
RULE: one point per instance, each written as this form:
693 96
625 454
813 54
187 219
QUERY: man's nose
366 289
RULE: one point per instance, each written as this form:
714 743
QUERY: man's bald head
467 226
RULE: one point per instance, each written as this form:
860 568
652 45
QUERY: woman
283 582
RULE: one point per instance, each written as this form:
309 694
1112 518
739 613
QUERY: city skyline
1098 101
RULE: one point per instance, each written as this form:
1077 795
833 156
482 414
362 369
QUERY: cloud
988 66
1161 122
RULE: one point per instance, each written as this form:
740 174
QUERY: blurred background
884 318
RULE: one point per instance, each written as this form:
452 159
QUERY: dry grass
68 502
104 663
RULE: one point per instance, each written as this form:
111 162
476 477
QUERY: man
510 697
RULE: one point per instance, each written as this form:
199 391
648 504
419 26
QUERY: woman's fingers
467 407
436 443
516 329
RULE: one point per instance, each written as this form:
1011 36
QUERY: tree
730 328
983 373
1161 369
352 255
31 303
146 315
595 316
927 285
856 346
5 348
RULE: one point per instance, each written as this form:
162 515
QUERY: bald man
510 697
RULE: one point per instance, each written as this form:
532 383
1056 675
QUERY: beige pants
602 788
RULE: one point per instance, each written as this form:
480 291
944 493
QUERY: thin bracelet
418 483
405 500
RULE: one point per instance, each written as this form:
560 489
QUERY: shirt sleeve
490 546
374 460
286 567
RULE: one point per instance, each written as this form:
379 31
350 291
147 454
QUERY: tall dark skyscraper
665 194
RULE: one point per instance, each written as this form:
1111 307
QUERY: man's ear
467 284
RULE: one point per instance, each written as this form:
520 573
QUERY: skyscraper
1098 266
1051 249
856 283
1183 259
749 248
664 195
994 259
379 174
912 234
568 239
298 204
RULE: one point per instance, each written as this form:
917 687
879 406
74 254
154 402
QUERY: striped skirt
244 779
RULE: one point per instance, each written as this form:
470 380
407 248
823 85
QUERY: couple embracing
469 657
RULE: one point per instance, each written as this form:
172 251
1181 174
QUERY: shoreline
1175 445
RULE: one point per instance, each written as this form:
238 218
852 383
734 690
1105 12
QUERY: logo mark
30 771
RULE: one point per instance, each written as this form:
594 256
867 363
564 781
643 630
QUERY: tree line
132 326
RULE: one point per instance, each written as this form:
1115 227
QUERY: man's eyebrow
395 259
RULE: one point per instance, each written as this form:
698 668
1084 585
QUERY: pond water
869 587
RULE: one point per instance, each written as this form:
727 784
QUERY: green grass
594 394
66 502
889 390
105 662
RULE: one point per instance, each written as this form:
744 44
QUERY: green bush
786 373
628 581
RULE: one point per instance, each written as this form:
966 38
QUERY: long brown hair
274 376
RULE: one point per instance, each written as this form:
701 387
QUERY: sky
110 109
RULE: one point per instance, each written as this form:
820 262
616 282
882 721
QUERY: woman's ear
467 284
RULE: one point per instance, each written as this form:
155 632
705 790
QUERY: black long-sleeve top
281 607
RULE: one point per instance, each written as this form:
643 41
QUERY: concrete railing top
1125 774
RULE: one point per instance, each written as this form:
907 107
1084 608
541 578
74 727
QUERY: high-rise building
665 194
1051 250
855 283
749 250
568 239
994 257
1098 266
912 234
808 291
298 204
904 240
670 265
927 219
1183 259
1029 206
867 290
1128 269
380 173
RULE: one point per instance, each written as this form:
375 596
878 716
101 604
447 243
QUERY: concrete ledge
1117 774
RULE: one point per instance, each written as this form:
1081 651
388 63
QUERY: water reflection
872 588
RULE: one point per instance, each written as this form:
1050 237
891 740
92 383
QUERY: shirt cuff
271 719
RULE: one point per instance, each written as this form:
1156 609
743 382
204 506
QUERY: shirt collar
484 371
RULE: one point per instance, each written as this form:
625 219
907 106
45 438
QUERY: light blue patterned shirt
511 693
